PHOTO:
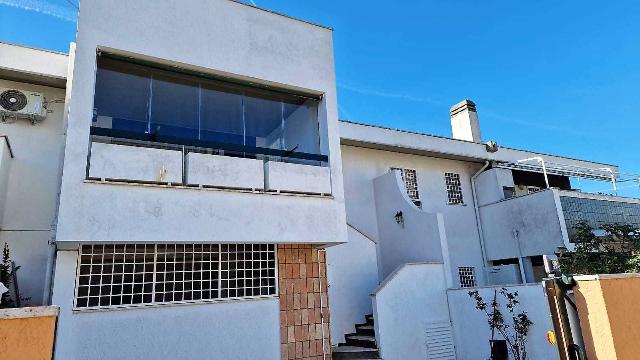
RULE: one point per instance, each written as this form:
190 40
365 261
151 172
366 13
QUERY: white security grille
410 179
467 275
454 188
141 274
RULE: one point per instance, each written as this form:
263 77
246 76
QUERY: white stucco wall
225 330
490 183
409 309
472 332
350 283
524 226
135 163
5 167
225 38
283 176
362 166
32 190
416 239
215 170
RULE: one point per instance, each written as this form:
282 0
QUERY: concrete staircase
359 345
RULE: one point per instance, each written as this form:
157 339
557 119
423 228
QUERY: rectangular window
153 103
146 274
467 276
410 179
454 188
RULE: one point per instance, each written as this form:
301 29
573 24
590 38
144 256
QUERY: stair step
367 341
365 329
369 319
354 352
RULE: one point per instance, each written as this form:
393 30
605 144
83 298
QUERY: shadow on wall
407 234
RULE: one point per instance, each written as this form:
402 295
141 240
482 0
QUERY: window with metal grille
410 179
146 274
467 276
454 188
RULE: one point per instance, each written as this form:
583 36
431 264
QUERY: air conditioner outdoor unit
21 104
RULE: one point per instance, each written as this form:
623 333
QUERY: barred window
410 179
145 274
454 188
467 276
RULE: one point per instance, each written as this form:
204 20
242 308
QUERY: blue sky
551 76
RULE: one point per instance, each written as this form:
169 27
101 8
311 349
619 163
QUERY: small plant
515 334
7 276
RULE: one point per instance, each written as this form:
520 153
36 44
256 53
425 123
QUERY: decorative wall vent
467 276
410 179
454 188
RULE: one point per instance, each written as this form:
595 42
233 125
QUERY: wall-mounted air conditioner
22 104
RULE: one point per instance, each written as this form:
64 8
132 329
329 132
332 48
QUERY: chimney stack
464 122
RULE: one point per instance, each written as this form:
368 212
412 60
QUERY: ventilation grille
439 341
13 100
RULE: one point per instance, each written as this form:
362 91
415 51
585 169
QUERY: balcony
154 124
6 154
541 222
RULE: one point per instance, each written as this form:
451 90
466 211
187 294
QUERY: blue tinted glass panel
263 121
221 115
121 96
597 213
174 106
301 132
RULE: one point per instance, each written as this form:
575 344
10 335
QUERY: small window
410 179
467 276
533 189
454 188
508 192
125 275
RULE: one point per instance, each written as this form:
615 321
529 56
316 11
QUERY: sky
556 77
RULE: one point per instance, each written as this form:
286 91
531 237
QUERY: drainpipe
48 280
478 222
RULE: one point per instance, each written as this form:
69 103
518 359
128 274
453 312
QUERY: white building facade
190 193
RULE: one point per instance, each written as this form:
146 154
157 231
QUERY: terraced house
179 184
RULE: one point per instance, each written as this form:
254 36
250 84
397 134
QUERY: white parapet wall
407 234
225 171
527 225
472 333
298 178
109 161
412 316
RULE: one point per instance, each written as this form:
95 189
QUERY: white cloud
64 12
390 95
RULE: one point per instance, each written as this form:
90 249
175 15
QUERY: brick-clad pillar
302 278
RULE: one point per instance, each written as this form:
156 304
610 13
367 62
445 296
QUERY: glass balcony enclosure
597 211
152 104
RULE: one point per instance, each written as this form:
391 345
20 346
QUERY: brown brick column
302 279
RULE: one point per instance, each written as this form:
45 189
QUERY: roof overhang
380 138
34 66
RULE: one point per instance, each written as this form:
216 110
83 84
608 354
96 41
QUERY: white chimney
464 122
